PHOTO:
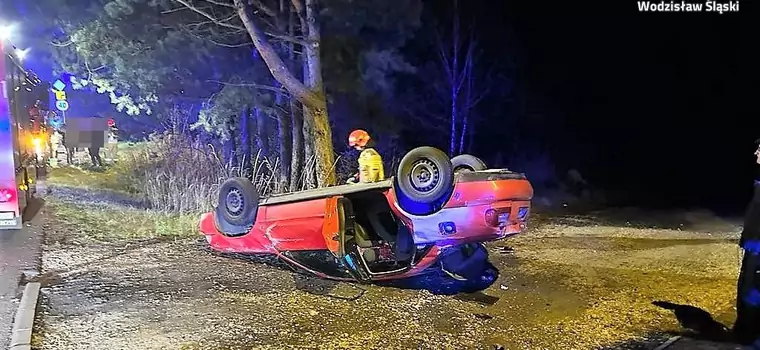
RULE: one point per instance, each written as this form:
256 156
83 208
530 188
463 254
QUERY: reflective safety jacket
370 166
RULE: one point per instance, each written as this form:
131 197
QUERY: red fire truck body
20 146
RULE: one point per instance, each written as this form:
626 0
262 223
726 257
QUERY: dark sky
658 104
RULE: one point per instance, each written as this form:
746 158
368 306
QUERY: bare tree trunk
318 118
470 138
454 78
297 156
467 74
284 135
233 148
458 63
307 130
261 132
465 121
311 94
247 138
286 142
296 118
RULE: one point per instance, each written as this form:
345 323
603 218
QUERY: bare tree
457 60
252 17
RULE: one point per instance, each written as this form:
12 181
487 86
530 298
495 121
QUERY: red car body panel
309 225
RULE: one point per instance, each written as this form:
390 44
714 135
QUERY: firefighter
370 162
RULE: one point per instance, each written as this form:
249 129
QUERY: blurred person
747 326
94 150
69 150
112 142
370 162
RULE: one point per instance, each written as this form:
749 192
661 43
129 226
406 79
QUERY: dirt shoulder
564 285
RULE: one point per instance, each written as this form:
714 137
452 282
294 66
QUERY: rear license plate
7 222
7 215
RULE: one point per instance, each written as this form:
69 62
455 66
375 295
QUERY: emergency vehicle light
37 142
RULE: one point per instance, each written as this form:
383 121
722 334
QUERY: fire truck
24 137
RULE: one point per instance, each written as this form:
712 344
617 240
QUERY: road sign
60 95
62 106
59 85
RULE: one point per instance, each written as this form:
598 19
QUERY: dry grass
109 223
176 174
86 178
157 188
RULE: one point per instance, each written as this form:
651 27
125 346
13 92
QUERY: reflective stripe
370 166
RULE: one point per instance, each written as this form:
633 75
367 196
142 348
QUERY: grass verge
86 178
90 204
110 223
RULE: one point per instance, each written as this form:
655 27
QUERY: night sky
659 105
656 104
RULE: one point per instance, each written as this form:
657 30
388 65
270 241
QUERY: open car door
339 232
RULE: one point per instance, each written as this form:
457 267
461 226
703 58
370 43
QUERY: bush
175 173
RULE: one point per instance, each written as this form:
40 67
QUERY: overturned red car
435 210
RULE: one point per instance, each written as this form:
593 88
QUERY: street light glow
21 54
6 31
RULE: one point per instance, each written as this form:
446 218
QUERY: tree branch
219 3
191 32
301 12
223 22
208 15
252 85
274 62
264 8
57 44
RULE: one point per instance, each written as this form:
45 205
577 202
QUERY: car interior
383 241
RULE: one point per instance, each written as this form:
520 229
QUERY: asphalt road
19 252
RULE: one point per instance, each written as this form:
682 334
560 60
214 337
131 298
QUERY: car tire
424 181
238 201
466 162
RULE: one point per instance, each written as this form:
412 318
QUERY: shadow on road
698 322
699 325
438 282
32 209
481 275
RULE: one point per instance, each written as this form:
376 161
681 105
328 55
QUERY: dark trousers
747 325
95 156
70 155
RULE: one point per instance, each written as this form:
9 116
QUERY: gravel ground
569 283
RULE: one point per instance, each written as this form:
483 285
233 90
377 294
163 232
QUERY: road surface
19 253
569 283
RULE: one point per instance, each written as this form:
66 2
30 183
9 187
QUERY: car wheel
238 201
466 162
424 180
